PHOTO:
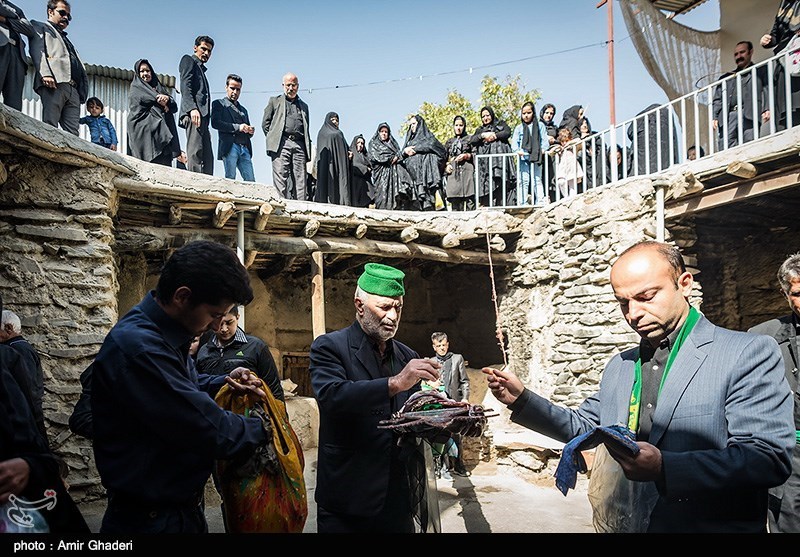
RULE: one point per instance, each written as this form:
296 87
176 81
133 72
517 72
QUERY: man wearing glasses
285 124
61 80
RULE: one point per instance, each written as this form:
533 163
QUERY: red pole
611 92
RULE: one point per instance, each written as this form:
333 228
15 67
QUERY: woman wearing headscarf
393 184
152 134
547 116
492 138
784 28
362 192
424 158
591 154
650 154
459 171
333 164
529 142
571 120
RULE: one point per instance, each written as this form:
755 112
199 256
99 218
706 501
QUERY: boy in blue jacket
100 127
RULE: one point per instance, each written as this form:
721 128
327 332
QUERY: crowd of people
713 412
417 172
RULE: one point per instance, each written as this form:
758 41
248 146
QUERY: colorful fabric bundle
258 498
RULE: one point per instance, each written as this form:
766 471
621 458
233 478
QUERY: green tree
506 99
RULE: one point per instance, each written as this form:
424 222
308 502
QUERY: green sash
636 394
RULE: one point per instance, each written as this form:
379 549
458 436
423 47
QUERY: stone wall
57 272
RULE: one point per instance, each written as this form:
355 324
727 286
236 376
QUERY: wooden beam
742 169
317 294
263 216
451 241
311 228
361 231
223 212
498 243
136 238
249 258
740 191
175 215
409 234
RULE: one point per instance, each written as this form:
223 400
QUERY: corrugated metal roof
127 75
677 7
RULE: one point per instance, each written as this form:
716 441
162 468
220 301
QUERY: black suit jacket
194 86
353 458
225 120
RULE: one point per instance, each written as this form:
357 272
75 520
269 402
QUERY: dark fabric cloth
359 464
426 165
362 192
157 431
531 142
734 103
20 438
490 176
591 159
460 183
572 461
33 371
784 500
644 135
294 118
254 354
393 184
786 24
333 164
80 421
152 131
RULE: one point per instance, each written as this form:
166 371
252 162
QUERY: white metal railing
748 105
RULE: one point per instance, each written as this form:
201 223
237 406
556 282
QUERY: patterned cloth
572 460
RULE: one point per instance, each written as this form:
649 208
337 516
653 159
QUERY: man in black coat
11 335
360 376
232 123
195 113
784 500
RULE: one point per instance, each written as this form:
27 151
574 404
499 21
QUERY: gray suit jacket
15 19
454 378
723 424
274 121
51 58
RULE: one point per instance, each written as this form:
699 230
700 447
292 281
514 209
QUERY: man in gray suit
12 53
61 79
285 124
784 500
195 114
710 408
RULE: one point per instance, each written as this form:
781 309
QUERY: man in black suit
360 376
232 122
13 63
196 106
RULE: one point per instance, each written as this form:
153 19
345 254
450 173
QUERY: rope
499 331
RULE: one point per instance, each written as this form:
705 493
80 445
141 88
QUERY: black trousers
130 517
199 150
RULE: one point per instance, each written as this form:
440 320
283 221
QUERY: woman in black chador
152 134
394 188
492 138
424 158
333 164
460 173
362 192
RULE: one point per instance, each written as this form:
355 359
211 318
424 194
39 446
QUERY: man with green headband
366 482
710 408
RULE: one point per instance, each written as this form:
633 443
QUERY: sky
375 61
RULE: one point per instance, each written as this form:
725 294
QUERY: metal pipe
240 254
661 188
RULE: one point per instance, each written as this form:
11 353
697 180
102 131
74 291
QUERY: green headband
382 280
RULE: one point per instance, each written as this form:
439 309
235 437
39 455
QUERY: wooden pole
317 294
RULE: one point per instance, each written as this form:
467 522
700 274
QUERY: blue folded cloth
572 460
